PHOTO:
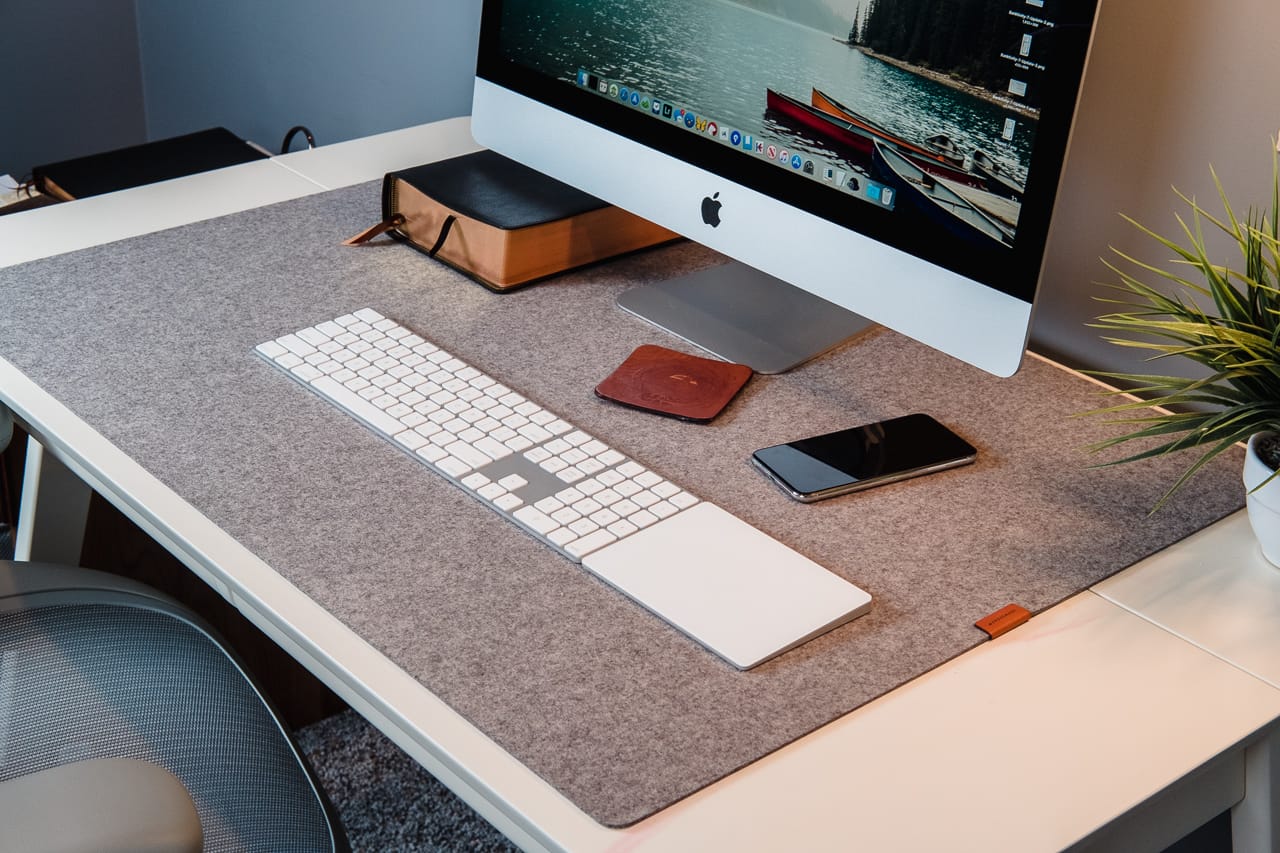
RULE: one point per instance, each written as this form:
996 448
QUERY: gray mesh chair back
93 666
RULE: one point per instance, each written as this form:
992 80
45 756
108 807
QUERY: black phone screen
851 459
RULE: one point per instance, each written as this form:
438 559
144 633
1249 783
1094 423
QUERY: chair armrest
108 805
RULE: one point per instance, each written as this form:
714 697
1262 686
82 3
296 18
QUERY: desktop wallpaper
817 86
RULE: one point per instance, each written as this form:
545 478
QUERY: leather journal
148 163
503 224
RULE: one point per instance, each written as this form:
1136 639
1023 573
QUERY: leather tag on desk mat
1003 620
667 382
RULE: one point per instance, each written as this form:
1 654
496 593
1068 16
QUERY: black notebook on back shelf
147 163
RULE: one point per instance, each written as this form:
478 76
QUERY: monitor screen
894 158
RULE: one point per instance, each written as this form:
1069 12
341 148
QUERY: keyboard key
607 497
663 509
592 542
306 372
625 508
622 528
604 517
533 432
468 454
586 506
566 515
561 536
569 496
643 518
648 479
666 489
583 526
432 453
453 466
475 480
490 491
536 520
356 405
548 505
626 488
507 502
296 345
492 448
411 439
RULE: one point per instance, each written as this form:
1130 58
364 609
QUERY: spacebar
344 398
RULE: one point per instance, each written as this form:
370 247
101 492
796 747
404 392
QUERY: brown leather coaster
660 380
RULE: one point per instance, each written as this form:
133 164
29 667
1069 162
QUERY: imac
854 158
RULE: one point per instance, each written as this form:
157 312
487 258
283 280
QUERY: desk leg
1255 820
60 500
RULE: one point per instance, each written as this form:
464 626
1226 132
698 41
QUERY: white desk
1095 722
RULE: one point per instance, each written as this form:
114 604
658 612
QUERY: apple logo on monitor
711 210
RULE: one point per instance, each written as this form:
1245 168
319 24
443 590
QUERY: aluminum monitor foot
743 315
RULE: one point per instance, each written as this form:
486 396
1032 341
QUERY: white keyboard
737 591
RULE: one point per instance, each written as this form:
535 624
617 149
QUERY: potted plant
1236 341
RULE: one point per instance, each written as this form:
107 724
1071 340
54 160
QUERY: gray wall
343 69
70 80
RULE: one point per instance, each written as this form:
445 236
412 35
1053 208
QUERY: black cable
288 137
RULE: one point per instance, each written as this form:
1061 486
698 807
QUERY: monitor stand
743 315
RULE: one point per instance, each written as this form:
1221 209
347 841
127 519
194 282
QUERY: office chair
126 725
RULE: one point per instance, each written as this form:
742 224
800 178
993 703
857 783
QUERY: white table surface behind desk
1030 742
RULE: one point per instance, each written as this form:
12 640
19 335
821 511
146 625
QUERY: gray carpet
384 798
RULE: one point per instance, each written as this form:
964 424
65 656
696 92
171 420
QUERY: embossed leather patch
1003 620
667 382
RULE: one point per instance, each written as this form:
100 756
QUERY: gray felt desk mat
150 341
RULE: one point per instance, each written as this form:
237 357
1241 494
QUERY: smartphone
837 463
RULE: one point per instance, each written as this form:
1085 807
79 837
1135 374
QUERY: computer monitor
895 160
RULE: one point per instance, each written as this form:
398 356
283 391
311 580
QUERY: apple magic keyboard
737 591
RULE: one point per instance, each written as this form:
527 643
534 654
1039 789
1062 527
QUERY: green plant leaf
1237 339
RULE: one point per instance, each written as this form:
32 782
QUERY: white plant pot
1264 504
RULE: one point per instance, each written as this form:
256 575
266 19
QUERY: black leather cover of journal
492 189
149 163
